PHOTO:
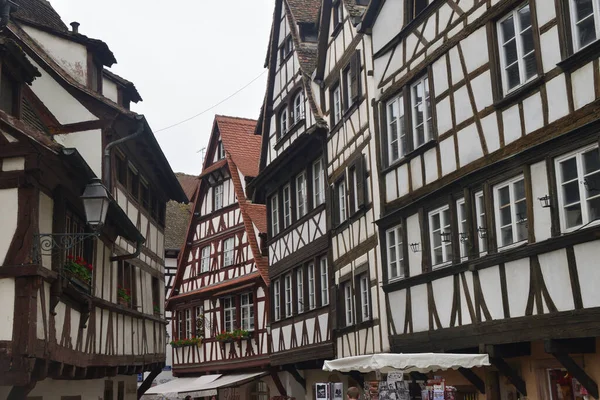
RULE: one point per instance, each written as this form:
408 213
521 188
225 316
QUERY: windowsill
301 316
410 155
292 129
512 246
579 227
346 115
356 327
581 57
522 91
297 223
351 219
441 265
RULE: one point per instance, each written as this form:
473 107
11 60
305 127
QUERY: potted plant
156 309
228 337
124 296
79 272
186 342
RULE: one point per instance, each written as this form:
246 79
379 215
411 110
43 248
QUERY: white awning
174 388
233 380
418 362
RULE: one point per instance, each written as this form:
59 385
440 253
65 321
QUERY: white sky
184 56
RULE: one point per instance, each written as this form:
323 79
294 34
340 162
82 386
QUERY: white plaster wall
70 55
110 90
418 299
88 389
542 223
13 164
443 292
517 279
7 288
398 311
555 271
414 236
387 24
88 144
61 103
9 212
586 255
490 286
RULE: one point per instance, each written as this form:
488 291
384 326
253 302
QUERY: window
9 90
218 193
180 320
287 207
121 167
229 313
439 236
145 196
348 300
274 215
134 182
340 190
277 300
205 259
511 212
301 201
395 253
336 109
286 48
338 13
298 107
221 150
312 303
365 306
156 289
318 183
396 134
288 295
259 391
126 284
421 112
351 75
95 76
283 121
247 309
481 228
347 79
417 7
300 289
228 252
188 323
585 19
517 53
578 176
324 282
353 189
463 230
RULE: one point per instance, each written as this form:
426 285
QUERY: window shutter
354 76
334 315
360 182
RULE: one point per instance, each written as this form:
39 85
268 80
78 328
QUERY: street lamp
95 201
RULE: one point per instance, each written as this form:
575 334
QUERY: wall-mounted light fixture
482 231
415 247
446 237
545 201
464 237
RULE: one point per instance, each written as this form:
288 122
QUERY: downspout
107 178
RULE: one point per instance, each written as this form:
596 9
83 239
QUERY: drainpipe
138 250
108 148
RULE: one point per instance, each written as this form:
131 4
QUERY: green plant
79 268
236 334
156 309
124 294
186 342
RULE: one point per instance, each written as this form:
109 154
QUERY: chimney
75 27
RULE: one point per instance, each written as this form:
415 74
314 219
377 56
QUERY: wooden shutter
354 76
360 181
334 316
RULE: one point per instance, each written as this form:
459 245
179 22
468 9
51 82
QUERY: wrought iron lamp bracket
47 244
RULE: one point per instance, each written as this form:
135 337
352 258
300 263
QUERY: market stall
395 386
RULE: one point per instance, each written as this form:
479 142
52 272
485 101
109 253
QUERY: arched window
283 121
298 107
259 391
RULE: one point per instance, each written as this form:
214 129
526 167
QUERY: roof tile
240 142
39 12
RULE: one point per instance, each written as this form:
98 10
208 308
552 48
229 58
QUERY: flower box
79 284
229 337
79 273
186 342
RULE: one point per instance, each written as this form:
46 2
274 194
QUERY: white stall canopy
418 362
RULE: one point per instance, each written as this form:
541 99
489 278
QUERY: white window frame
219 190
298 107
595 14
247 311
514 220
427 111
354 182
348 87
274 215
446 247
221 150
365 306
463 228
312 296
300 290
520 56
283 121
583 192
396 104
342 196
336 107
288 295
348 303
318 182
324 269
205 259
229 312
287 206
481 227
188 323
395 252
277 300
301 198
228 251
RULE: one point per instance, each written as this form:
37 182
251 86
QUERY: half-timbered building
83 303
344 62
220 294
487 132
292 184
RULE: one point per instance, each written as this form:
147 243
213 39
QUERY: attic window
338 14
286 48
221 150
9 91
94 75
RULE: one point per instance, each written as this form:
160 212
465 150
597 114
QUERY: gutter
108 149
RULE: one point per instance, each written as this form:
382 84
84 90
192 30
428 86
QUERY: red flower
69 257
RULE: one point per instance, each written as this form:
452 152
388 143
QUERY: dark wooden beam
418 376
562 355
21 392
571 346
148 382
295 374
278 383
508 350
112 371
56 369
473 378
358 377
510 374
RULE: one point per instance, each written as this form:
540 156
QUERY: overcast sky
184 56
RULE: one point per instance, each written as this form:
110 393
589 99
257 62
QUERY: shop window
563 386
312 303
516 46
578 176
463 231
318 182
324 281
229 312
218 196
259 391
511 212
205 259
481 228
274 215
301 199
287 206
228 252
247 311
288 295
126 289
276 300
395 253
300 290
439 236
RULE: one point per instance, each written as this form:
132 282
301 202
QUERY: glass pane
418 93
435 222
527 41
437 239
525 17
591 161
583 8
448 251
593 185
568 169
508 29
512 74
530 66
519 188
393 270
437 256
521 232
504 196
507 235
403 136
594 209
571 192
521 210
505 217
586 31
573 215
510 52
420 135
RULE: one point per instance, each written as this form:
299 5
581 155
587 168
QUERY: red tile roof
189 184
258 215
240 142
211 288
213 167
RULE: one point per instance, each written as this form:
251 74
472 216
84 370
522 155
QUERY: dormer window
221 150
283 122
298 107
286 49
9 93
94 75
